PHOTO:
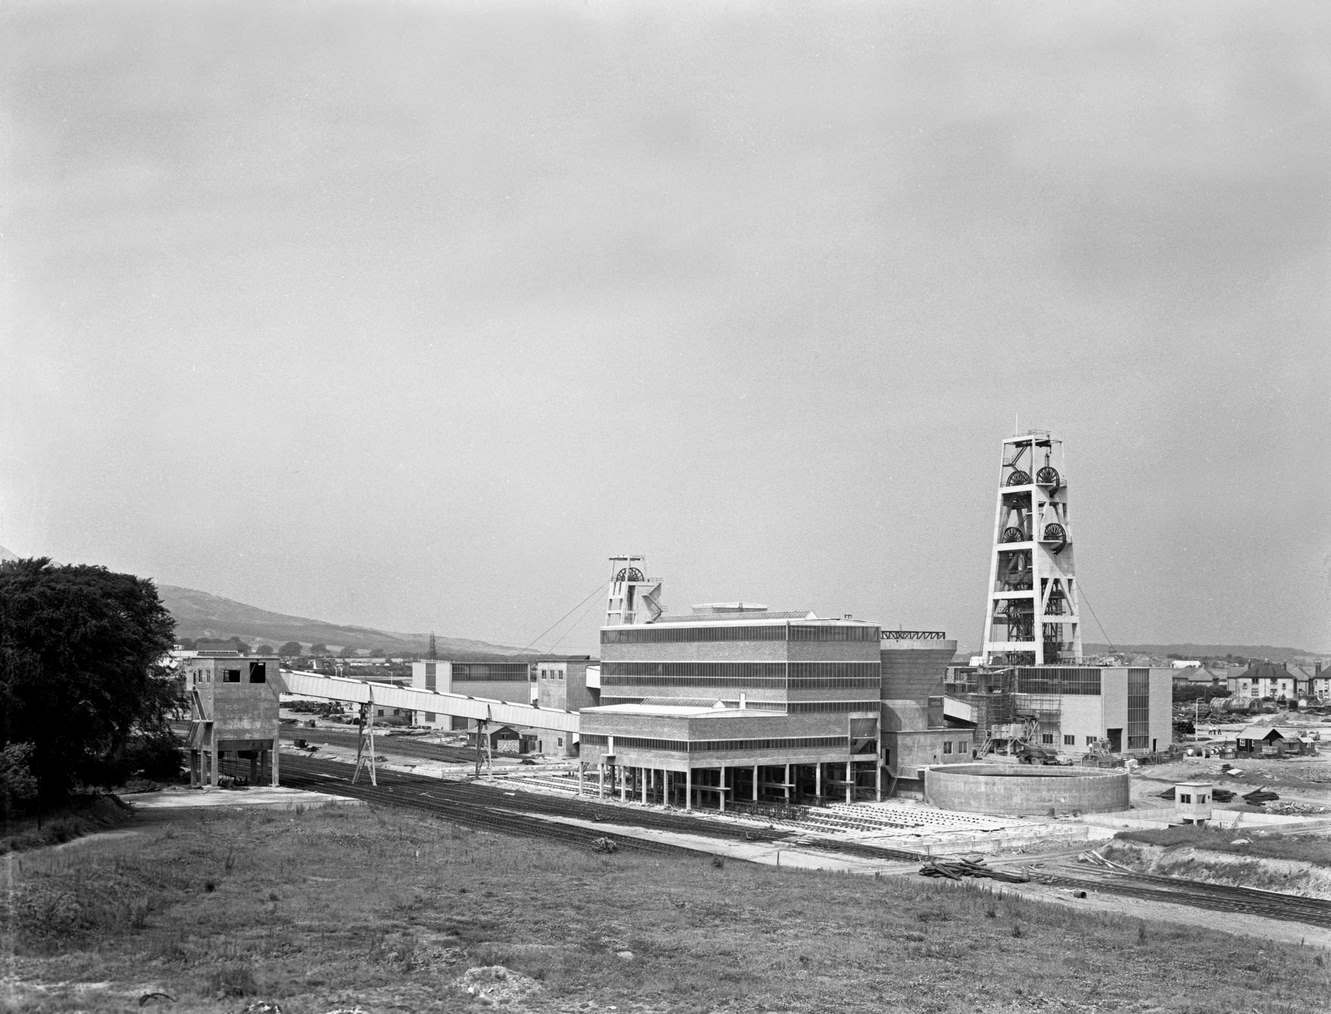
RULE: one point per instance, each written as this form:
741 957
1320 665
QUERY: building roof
731 616
1265 731
1196 674
1269 670
680 711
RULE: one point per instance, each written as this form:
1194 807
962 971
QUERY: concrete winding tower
633 597
1032 617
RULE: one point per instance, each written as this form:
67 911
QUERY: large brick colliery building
733 703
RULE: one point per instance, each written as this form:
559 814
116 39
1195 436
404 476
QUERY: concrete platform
209 798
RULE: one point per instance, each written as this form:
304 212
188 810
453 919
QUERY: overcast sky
410 315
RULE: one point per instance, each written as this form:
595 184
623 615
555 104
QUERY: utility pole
364 758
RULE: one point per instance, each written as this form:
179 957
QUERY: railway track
1197 894
460 803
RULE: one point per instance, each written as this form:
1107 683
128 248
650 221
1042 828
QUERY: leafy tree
319 649
241 646
81 652
348 652
264 649
18 784
290 649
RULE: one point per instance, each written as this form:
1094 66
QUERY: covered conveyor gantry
371 696
385 695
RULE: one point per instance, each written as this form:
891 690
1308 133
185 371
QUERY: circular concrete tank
1021 790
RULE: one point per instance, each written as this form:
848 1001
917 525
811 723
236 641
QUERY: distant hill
1163 651
200 614
1275 654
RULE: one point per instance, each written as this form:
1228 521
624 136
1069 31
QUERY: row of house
1289 681
1281 681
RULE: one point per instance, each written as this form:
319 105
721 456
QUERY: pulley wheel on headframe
1013 534
1018 478
1055 533
1047 476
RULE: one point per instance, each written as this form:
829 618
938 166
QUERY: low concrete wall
1010 789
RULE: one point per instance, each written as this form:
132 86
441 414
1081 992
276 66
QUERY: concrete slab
208 798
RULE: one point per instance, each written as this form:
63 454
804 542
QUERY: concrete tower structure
633 597
1032 617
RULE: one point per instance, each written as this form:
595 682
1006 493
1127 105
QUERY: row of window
671 634
1059 680
1139 708
963 746
770 682
683 635
834 633
869 685
715 745
258 673
745 670
789 707
490 672
1047 738
809 707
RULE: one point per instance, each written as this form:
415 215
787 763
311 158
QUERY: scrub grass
1257 843
86 814
333 908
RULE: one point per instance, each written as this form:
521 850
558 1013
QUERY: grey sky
409 315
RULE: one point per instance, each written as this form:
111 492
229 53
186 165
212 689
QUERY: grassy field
332 908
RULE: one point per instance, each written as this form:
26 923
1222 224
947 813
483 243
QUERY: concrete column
755 783
274 761
688 788
818 779
581 768
600 780
878 781
623 783
213 772
850 789
644 773
786 787
721 796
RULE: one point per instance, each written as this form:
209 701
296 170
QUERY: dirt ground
1303 779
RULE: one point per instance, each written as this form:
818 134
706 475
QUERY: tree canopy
290 649
81 668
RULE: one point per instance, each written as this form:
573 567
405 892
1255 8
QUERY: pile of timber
956 869
1260 796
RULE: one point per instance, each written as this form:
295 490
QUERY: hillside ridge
204 614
